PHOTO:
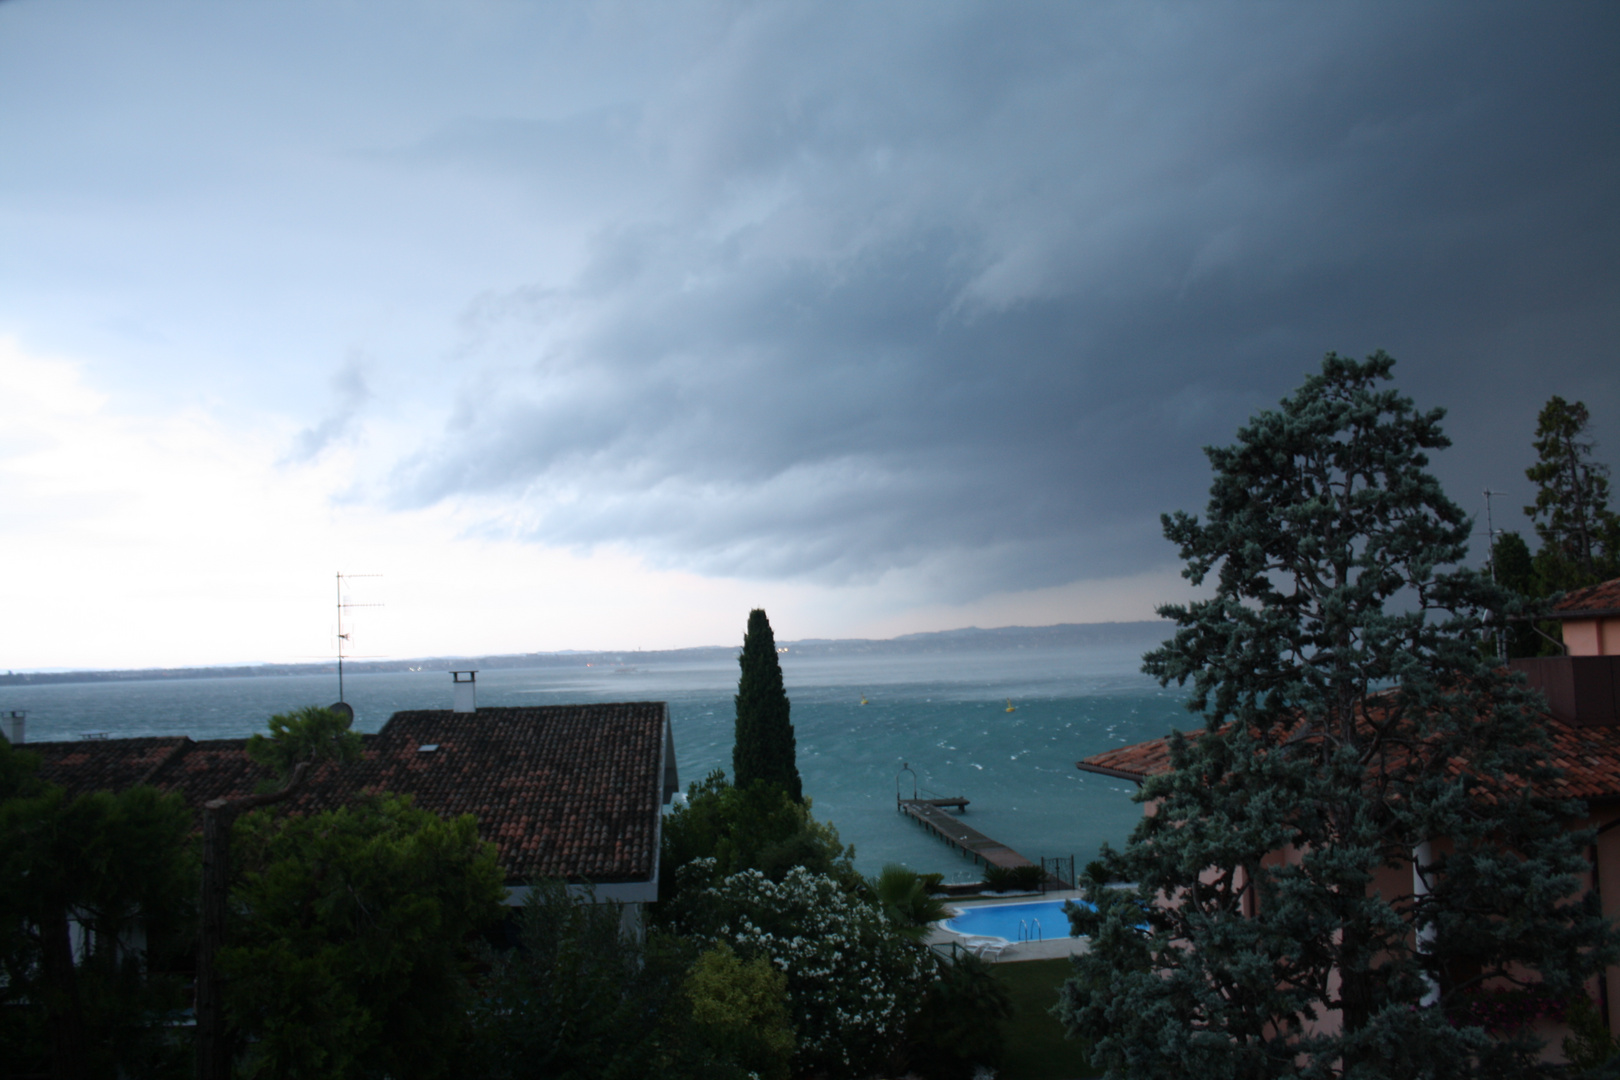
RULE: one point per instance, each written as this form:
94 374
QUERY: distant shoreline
942 641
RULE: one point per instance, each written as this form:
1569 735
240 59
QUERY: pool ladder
1028 928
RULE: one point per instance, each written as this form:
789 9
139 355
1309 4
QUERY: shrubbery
749 871
346 958
1013 878
759 827
852 978
740 1011
582 996
120 867
957 1026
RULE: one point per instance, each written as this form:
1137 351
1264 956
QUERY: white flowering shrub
852 979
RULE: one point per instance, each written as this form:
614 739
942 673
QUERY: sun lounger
986 948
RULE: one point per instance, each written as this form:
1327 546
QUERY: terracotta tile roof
111 764
573 791
1589 756
1136 762
1592 600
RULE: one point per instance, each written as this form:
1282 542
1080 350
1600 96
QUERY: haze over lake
944 713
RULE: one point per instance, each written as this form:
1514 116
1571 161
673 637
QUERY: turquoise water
943 713
1038 920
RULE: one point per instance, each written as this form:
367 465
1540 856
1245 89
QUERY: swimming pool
1036 920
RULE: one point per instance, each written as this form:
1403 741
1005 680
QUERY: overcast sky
595 325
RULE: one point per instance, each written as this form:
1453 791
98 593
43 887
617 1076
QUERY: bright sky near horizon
595 325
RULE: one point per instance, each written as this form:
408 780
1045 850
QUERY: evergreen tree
764 749
1580 535
1515 570
1338 673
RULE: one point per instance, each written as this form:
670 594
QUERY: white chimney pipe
466 690
17 727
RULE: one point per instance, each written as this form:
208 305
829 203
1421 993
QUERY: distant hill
973 639
968 639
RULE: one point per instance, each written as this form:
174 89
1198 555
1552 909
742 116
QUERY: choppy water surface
943 713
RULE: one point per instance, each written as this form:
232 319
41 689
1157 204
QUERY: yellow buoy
1010 706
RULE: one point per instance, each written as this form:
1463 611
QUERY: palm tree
903 894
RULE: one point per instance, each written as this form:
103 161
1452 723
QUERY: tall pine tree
1275 927
1580 535
765 748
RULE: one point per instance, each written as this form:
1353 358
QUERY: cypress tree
764 749
1349 718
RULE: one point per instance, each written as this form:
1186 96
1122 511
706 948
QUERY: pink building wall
1592 637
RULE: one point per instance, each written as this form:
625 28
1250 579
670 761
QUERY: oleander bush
852 978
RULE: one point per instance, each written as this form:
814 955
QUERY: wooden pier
931 815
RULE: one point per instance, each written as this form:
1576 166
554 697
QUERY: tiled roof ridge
1588 756
1600 599
570 791
180 748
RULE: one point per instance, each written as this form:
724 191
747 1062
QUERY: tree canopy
852 978
97 893
582 997
296 742
764 749
347 954
759 827
1580 535
1338 674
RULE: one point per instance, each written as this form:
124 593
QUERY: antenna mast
1490 535
341 636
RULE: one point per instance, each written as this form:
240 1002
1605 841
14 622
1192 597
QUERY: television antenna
1490 536
343 637
1490 529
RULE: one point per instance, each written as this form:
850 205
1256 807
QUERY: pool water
1033 921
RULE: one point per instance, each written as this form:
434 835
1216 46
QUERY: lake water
944 713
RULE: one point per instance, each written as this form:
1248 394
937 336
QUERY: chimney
466 690
16 726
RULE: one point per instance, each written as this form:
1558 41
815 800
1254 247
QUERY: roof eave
1104 770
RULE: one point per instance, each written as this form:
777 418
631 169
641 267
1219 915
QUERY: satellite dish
343 709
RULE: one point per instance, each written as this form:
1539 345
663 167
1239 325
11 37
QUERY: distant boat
1010 706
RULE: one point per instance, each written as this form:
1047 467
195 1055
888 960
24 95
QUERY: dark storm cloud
971 292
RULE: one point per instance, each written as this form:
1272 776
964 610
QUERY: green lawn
1036 1048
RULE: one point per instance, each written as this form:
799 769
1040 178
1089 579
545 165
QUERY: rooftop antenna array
342 636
